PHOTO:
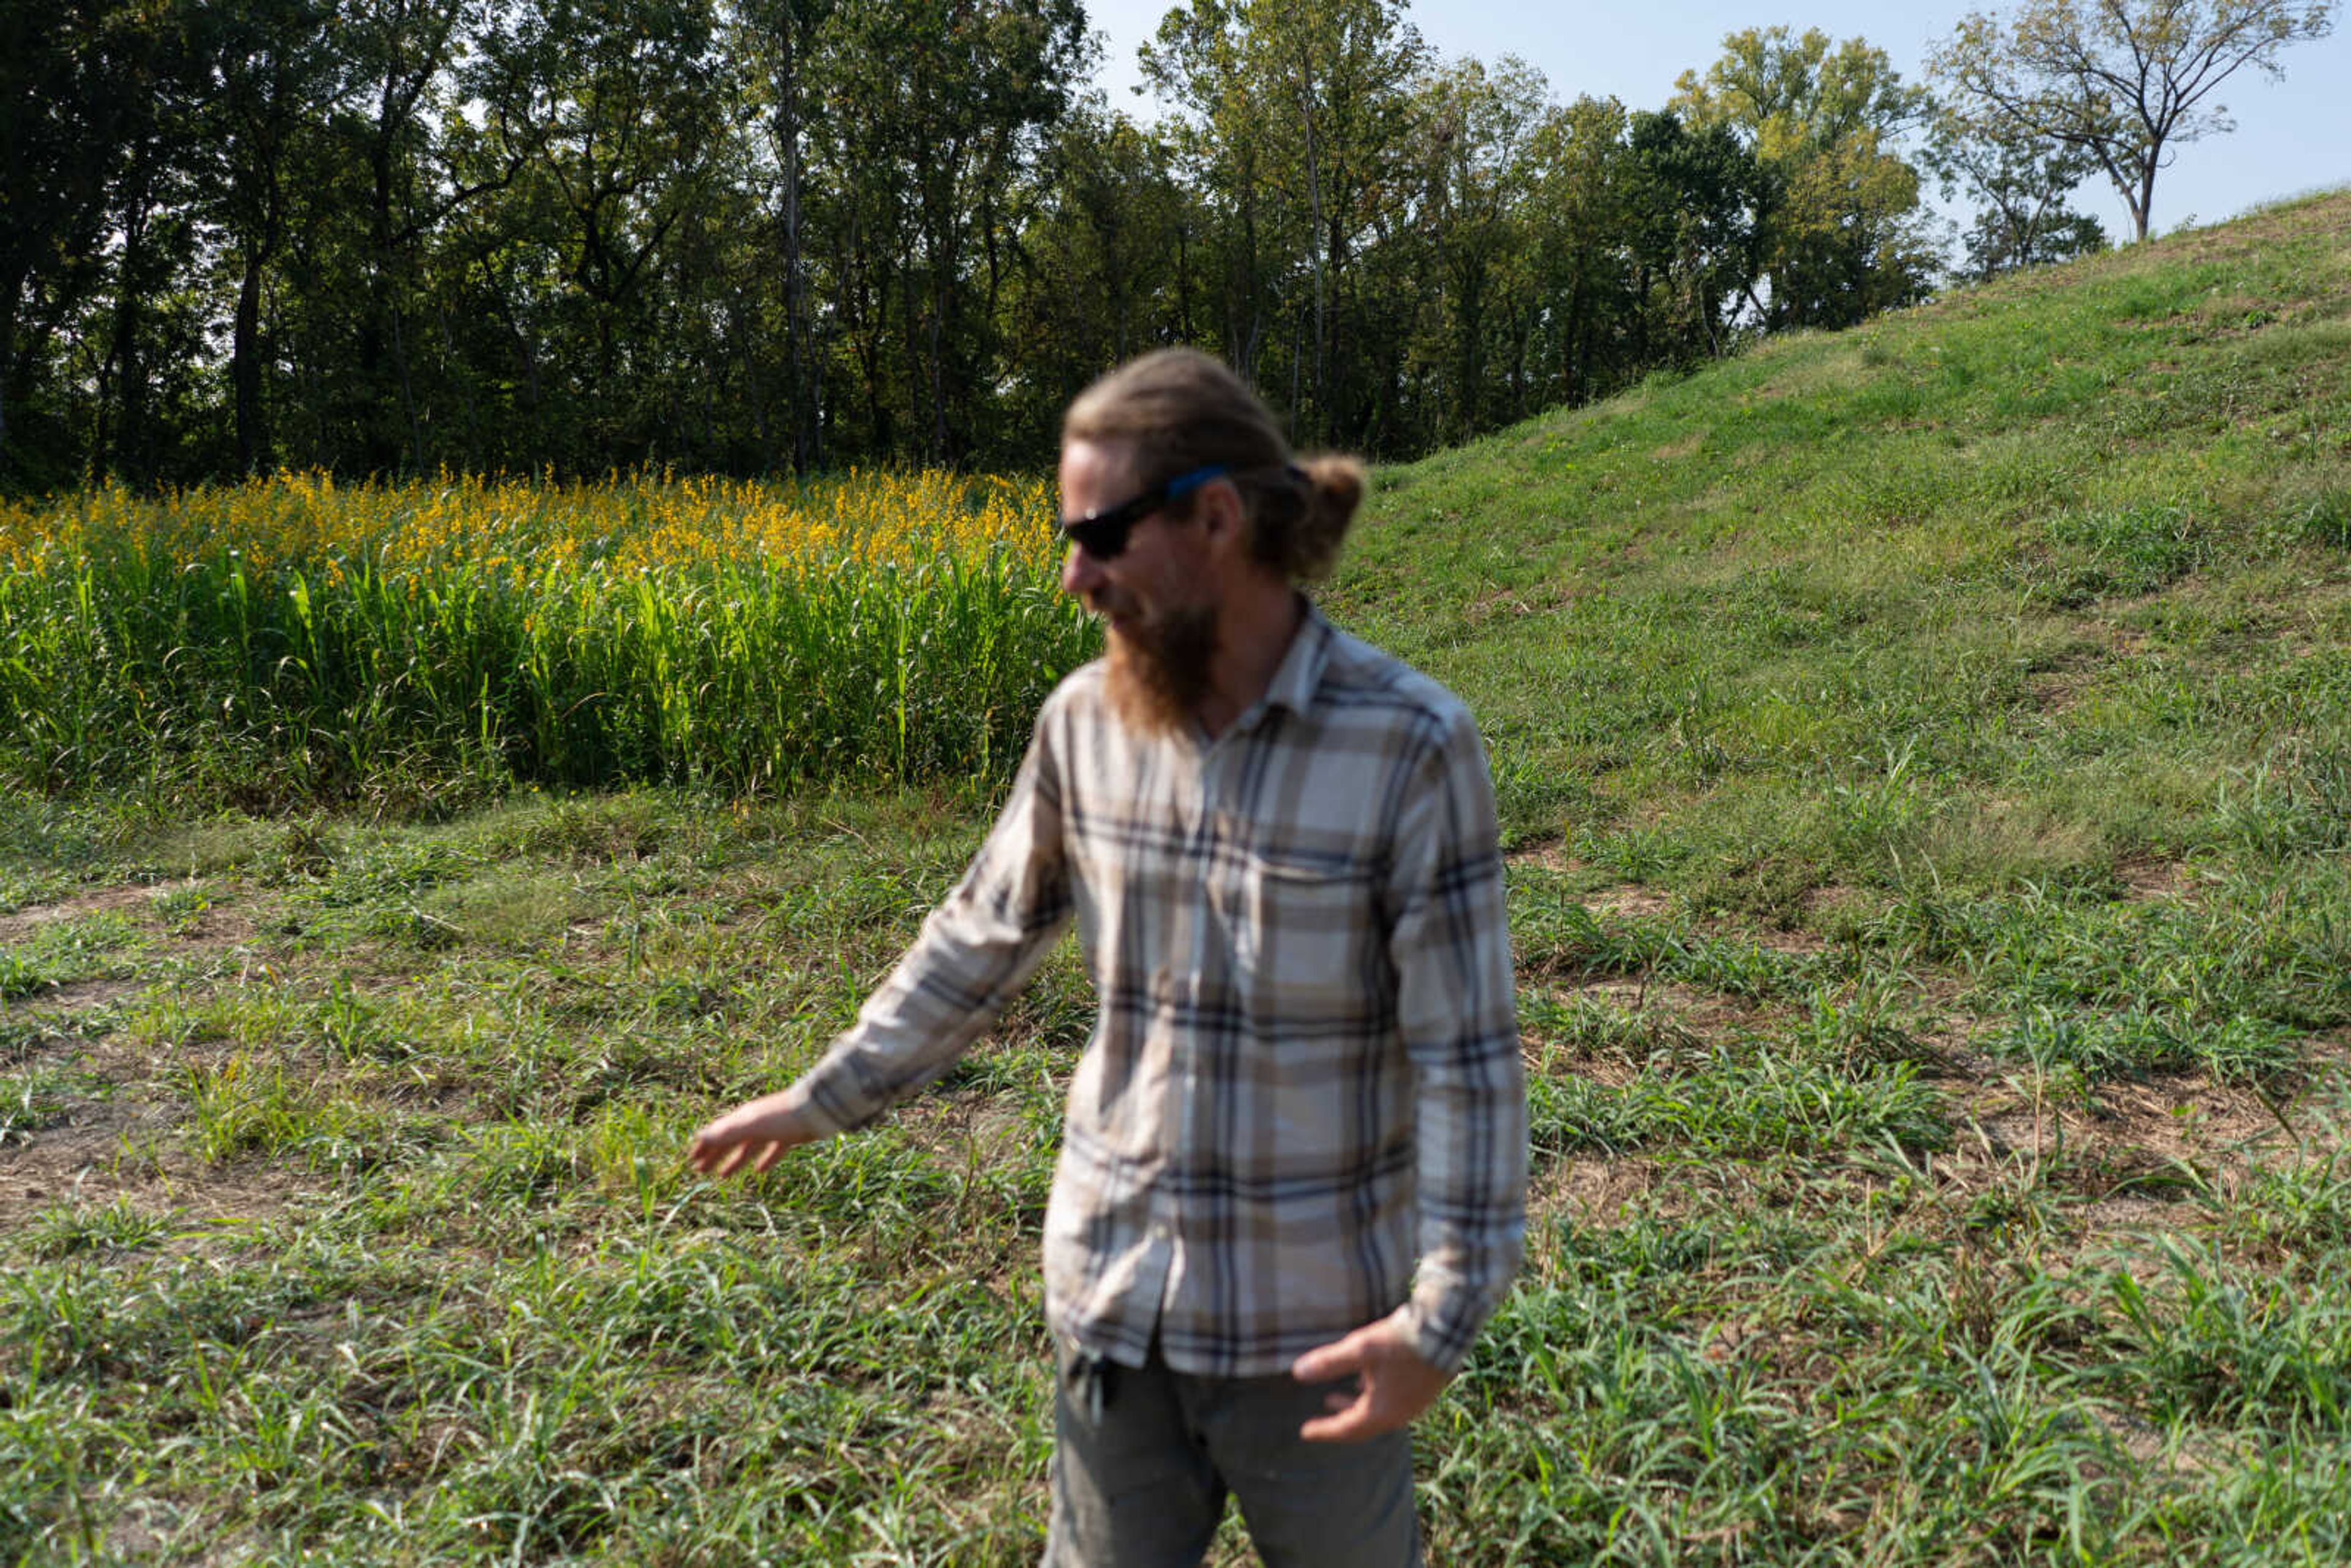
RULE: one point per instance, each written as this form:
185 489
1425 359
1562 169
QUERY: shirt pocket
1301 930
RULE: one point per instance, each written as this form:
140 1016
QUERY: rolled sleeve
1450 946
975 951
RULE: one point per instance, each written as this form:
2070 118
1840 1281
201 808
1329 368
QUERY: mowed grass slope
1926 753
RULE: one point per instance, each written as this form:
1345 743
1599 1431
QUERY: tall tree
779 40
1472 172
1685 200
2021 183
276 70
68 102
399 53
925 158
611 110
158 68
1577 218
2126 82
1298 109
1835 215
1110 264
379 235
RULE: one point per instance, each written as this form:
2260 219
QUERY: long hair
1177 410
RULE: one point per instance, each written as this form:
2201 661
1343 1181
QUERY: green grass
1923 753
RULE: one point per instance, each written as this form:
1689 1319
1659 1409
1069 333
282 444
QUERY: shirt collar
1301 670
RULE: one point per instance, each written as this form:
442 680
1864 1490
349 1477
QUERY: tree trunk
245 367
1577 372
7 364
1321 259
473 457
379 452
407 391
796 322
1183 283
746 351
130 432
12 292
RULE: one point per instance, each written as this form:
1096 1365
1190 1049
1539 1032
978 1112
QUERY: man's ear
1218 505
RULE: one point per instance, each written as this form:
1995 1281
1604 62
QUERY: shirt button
1159 1231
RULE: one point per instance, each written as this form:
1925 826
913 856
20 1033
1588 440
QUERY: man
1292 1173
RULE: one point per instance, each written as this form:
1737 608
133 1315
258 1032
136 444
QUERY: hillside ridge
1957 535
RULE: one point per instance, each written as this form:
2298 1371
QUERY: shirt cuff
836 1097
1439 1323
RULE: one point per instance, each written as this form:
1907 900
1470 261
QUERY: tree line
756 235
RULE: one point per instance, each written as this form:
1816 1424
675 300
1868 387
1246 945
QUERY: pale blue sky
2292 136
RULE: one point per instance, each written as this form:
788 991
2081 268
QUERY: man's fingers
1325 1362
712 1157
1351 1412
754 1134
1350 1419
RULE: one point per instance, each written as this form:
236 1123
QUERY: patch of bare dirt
116 1147
74 1159
2055 691
32 917
111 1140
2134 1213
1584 1190
217 929
73 996
211 928
2148 880
1624 899
1663 1007
1630 900
2130 1153
1792 942
1503 602
2182 1118
1548 854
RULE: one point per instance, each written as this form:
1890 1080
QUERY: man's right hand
754 1134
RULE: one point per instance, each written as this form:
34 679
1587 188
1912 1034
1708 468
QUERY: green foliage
1742 1102
2120 85
1922 752
1835 234
751 235
336 678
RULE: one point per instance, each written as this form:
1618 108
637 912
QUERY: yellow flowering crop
631 523
883 625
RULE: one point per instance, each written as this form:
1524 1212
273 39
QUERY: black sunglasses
1101 533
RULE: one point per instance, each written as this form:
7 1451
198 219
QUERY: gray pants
1143 1459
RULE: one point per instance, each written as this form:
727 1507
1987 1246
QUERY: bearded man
1291 1180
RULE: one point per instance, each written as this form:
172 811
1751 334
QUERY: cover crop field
292 640
1925 755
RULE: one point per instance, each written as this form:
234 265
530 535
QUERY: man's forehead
1097 462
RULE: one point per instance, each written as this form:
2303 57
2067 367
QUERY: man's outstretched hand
754 1134
1393 1384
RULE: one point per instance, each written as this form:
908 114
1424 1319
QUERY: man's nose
1081 573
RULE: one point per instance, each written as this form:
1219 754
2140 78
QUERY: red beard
1159 670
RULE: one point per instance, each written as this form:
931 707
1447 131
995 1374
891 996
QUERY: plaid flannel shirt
1302 1107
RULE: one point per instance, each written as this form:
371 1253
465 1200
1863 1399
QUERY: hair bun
1334 485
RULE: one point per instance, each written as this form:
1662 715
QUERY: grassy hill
1926 756
2057 563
